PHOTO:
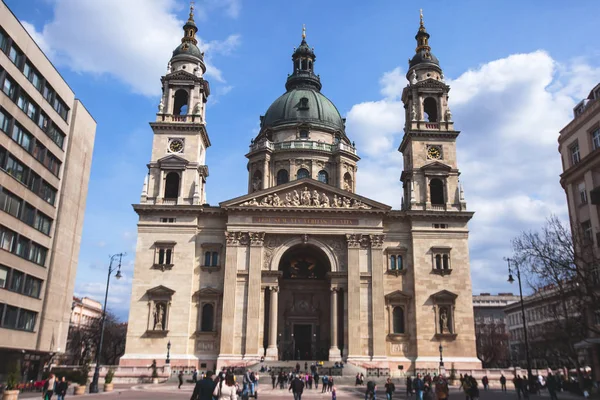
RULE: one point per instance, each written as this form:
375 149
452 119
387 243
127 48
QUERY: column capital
256 239
376 241
274 289
232 238
334 289
353 240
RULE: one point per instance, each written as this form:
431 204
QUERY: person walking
180 377
273 379
371 391
49 387
357 382
330 383
334 393
409 387
552 386
325 381
203 390
316 379
485 382
503 382
517 381
226 388
310 381
390 388
297 387
418 387
441 388
195 376
61 388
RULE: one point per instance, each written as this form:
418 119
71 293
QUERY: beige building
301 266
579 142
85 312
46 143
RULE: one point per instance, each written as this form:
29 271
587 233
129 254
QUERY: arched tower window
309 65
172 186
398 316
296 64
430 108
282 176
302 173
208 313
257 181
180 106
348 182
436 192
323 177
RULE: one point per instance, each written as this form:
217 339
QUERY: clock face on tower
176 146
434 152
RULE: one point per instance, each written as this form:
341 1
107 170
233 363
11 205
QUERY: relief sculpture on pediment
305 198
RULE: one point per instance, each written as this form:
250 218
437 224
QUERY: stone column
226 349
254 283
334 351
354 326
272 352
377 301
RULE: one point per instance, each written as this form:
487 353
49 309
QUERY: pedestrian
441 388
409 387
226 388
273 379
180 376
203 390
390 388
466 387
297 368
418 387
330 383
334 393
325 381
195 376
316 379
310 381
485 382
49 387
362 379
551 385
61 388
297 387
517 381
371 391
503 382
305 366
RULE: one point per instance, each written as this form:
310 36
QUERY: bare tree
492 345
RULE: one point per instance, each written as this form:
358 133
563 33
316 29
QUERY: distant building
86 315
490 328
46 144
85 312
579 142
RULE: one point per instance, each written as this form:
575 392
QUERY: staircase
327 368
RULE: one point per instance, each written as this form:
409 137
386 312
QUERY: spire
422 36
303 61
190 28
303 32
423 53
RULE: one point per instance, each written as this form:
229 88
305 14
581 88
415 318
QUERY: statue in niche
256 183
197 109
168 68
444 321
448 115
413 77
159 316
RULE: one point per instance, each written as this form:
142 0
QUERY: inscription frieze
305 221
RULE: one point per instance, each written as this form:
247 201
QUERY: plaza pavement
169 391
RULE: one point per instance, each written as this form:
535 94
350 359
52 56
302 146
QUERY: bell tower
177 172
430 175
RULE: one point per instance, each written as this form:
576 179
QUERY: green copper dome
303 105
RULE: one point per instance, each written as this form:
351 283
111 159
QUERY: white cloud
131 40
510 112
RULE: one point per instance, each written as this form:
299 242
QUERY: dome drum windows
441 261
302 173
283 176
323 176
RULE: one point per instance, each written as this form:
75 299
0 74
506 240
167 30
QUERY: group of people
223 387
427 387
53 385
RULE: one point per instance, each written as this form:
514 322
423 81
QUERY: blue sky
516 69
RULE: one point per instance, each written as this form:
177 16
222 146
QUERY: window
52 163
60 107
164 256
43 121
303 104
430 109
302 173
208 315
303 134
168 220
398 323
26 320
9 87
180 105
47 192
48 93
586 229
32 75
22 247
207 258
441 260
172 186
282 176
214 259
56 135
3 279
32 287
42 223
393 264
10 317
16 281
575 157
596 139
582 194
323 177
22 137
4 121
3 46
28 214
7 238
10 203
16 169
436 192
15 55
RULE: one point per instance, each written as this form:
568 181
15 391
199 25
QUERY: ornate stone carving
272 242
377 241
232 237
256 238
353 240
306 198
365 241
244 238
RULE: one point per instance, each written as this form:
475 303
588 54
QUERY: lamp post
168 361
442 369
515 269
111 269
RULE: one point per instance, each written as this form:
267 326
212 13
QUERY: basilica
301 266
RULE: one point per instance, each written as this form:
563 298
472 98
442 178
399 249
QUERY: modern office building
46 143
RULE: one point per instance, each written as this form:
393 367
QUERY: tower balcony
442 126
183 119
302 145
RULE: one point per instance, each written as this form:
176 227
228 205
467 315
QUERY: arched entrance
304 304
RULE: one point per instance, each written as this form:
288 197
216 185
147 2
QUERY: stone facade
302 266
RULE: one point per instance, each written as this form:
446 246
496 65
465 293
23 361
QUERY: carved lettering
304 221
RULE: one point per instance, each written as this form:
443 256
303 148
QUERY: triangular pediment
182 75
397 295
172 160
436 166
444 295
208 292
305 193
430 82
160 291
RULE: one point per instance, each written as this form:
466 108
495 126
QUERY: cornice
427 134
182 127
584 165
577 123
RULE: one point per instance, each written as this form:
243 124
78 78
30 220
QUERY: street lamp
111 269
442 369
515 269
168 353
